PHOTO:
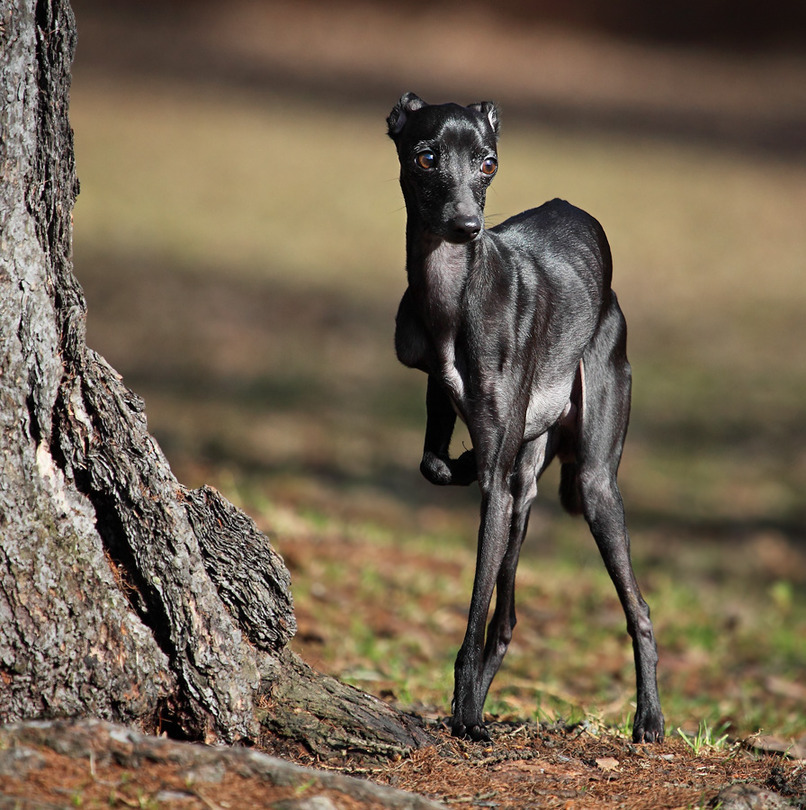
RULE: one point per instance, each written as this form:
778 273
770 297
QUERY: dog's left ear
490 112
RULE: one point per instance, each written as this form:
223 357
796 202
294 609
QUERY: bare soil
97 765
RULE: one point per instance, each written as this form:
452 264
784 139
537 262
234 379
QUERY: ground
95 765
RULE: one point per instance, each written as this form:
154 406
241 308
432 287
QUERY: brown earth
92 764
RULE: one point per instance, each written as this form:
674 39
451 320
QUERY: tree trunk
123 595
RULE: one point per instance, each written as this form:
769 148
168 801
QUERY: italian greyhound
522 337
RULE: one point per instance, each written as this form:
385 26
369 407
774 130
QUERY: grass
705 739
385 608
247 288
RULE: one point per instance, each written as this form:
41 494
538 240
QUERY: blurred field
242 256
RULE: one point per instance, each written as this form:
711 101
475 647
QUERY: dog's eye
489 166
426 159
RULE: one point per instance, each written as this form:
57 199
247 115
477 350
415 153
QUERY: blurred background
239 236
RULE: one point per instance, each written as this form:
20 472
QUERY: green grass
386 606
705 739
243 264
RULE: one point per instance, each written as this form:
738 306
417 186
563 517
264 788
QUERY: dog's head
448 157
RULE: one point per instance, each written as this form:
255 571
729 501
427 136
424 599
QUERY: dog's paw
476 732
648 728
436 470
445 471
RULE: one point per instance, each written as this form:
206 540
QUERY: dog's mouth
461 239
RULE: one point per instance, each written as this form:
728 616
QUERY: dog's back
561 240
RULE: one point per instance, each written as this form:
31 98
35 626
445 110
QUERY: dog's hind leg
602 426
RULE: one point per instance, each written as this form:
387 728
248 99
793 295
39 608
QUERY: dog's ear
490 112
409 102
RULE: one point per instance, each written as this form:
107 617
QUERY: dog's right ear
409 102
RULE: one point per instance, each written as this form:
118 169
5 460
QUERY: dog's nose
465 228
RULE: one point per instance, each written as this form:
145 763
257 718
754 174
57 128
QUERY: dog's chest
444 277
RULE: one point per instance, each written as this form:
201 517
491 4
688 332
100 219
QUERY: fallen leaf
607 764
768 744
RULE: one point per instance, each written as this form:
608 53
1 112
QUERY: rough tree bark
123 595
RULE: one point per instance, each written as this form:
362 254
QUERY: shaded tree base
92 762
306 710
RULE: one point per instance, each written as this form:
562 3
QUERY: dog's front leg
469 686
437 466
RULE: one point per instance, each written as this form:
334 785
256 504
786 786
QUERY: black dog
521 336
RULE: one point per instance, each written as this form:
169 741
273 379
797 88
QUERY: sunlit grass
705 739
384 605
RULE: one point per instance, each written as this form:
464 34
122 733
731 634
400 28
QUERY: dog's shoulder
556 226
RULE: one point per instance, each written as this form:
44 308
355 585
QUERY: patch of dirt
94 764
534 766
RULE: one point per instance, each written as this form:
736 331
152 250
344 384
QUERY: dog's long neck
438 272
